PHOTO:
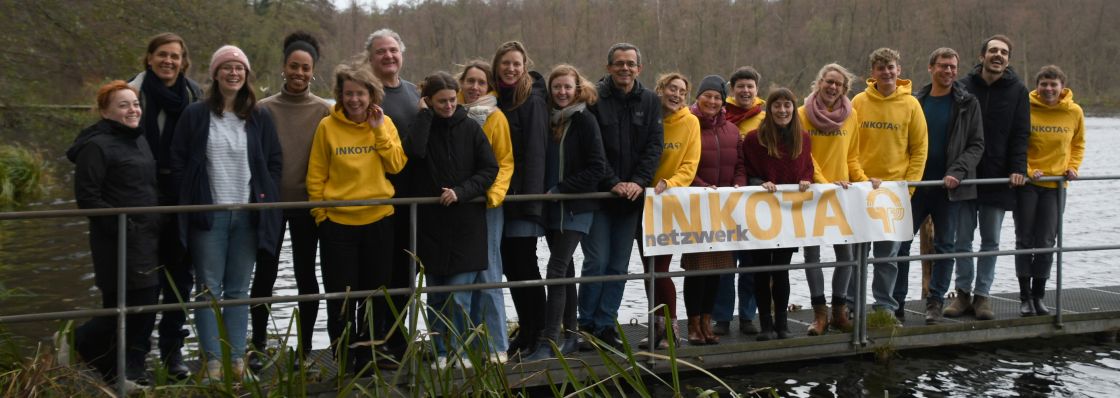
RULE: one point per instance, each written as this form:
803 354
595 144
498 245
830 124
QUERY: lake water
48 261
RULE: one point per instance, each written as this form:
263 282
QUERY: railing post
861 300
1058 255
651 290
413 306
122 346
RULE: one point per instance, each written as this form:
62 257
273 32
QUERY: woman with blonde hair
574 163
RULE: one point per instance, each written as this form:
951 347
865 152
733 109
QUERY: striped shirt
227 159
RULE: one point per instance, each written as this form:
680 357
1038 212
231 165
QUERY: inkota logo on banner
694 219
888 215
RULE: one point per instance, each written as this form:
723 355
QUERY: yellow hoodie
836 155
893 141
348 162
496 129
752 123
1057 139
682 149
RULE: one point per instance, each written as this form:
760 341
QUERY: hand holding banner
693 219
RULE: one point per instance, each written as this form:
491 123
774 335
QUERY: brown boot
840 319
962 304
983 308
706 326
695 334
820 320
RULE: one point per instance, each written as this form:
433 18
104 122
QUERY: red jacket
719 151
757 164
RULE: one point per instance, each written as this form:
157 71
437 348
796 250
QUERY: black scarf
160 98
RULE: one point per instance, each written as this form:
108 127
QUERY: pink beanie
225 54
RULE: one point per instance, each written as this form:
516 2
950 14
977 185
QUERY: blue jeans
606 251
223 259
841 276
726 292
488 306
933 202
882 280
990 220
453 307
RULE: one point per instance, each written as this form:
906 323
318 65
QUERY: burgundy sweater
758 164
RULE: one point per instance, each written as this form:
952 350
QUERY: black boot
1038 291
781 328
1026 306
766 327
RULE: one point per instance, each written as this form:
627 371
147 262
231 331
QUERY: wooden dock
1085 310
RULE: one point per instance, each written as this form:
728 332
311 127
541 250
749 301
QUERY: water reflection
1066 366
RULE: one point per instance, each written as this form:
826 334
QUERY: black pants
519 263
1036 227
354 259
700 294
96 340
560 309
175 288
305 240
401 277
771 289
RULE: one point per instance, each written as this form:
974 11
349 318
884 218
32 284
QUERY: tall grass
24 175
607 372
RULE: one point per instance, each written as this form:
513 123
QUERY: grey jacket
966 139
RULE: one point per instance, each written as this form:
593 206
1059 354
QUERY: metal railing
860 261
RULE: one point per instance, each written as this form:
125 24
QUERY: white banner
689 220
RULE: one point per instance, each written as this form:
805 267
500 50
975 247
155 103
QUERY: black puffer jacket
632 136
1006 110
114 167
528 133
450 153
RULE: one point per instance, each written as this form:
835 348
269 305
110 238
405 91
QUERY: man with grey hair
956 143
385 53
629 117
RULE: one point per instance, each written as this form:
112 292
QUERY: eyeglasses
625 64
232 67
946 66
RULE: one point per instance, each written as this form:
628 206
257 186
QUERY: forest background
59 51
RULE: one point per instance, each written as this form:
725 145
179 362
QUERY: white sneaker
499 358
440 363
62 347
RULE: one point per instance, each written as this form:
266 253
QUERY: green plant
24 174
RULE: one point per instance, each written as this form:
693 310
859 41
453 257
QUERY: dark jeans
305 240
771 289
175 288
354 259
519 262
700 294
1036 226
96 340
933 202
560 308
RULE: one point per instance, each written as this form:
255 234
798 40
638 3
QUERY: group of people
498 129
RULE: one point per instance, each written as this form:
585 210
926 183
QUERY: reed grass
24 175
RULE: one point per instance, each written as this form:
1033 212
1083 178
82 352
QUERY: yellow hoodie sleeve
1077 144
917 143
387 142
686 172
818 177
497 131
317 165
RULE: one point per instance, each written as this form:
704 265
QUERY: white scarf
480 109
